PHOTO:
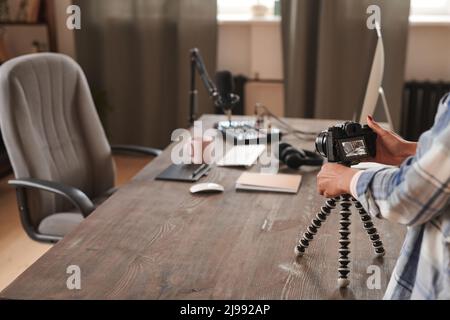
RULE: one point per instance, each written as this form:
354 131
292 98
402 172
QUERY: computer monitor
374 86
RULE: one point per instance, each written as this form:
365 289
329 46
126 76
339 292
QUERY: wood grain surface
155 240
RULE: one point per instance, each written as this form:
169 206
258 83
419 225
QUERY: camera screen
354 148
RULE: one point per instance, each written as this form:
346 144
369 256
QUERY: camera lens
321 143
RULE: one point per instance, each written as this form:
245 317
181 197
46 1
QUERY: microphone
226 99
222 94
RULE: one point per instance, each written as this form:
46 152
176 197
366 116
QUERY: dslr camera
348 143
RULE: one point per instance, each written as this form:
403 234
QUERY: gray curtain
135 54
328 53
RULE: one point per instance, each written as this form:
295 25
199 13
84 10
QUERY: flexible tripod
344 241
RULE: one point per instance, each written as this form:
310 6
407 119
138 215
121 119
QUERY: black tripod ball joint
344 241
315 225
345 202
371 230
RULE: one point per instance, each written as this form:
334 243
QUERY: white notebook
287 183
242 155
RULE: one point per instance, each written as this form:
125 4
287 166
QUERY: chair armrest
136 149
74 195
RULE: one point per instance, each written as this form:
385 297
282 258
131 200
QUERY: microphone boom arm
197 65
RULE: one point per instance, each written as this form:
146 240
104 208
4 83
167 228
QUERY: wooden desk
154 240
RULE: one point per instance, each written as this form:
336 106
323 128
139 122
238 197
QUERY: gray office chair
59 152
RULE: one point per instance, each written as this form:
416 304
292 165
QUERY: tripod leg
314 226
344 242
370 229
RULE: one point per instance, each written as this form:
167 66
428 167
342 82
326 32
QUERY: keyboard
245 155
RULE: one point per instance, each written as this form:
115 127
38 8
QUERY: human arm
335 179
412 194
391 148
419 189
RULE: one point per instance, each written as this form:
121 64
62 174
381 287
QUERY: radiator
420 102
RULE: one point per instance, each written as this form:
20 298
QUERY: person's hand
391 148
334 180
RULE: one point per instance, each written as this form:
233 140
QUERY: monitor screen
374 82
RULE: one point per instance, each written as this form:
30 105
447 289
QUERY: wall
246 48
253 48
428 55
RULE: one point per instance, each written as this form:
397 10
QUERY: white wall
253 49
234 49
428 55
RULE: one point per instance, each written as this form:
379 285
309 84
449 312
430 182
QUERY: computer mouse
207 188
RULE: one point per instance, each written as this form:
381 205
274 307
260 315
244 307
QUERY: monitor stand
375 85
386 108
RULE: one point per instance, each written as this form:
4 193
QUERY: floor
17 251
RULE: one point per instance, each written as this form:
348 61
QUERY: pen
200 169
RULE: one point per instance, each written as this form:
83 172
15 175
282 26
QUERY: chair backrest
51 129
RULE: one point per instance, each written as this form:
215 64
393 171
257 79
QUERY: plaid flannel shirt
417 194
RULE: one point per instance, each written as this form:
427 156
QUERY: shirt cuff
354 183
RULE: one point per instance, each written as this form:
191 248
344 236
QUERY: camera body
348 143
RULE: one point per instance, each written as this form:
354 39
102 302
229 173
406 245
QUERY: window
242 7
430 7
